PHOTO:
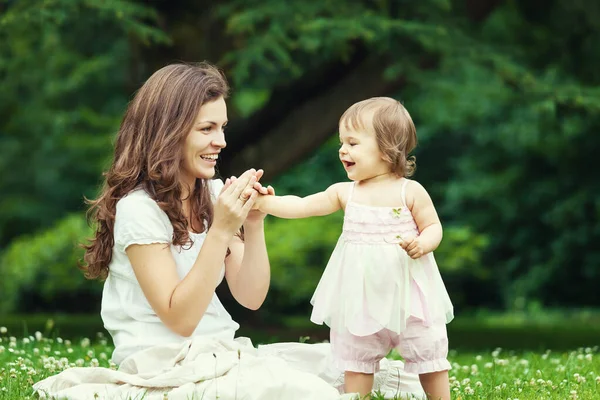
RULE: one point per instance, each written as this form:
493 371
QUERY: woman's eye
206 129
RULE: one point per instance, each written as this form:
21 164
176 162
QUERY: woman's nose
219 141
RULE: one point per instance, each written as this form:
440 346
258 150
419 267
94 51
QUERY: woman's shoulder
138 202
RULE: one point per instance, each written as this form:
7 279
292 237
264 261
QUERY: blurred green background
505 96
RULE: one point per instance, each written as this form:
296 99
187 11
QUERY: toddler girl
381 288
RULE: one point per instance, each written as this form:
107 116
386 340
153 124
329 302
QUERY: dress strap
403 192
351 192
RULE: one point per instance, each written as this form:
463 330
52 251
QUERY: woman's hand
255 215
235 202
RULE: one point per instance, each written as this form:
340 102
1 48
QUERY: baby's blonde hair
394 130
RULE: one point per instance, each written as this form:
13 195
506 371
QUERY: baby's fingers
404 243
260 188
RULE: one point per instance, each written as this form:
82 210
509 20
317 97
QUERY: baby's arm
318 204
427 220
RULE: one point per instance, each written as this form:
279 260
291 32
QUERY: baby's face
360 154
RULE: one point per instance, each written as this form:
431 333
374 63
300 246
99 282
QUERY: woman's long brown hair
148 154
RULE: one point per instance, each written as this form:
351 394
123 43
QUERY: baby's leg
436 385
359 357
425 351
358 382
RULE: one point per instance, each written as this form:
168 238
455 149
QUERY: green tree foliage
505 96
63 66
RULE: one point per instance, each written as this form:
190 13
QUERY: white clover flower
478 384
38 336
69 350
498 388
3 330
488 365
574 394
67 342
94 362
469 391
524 362
478 358
59 340
36 351
90 353
517 382
588 357
85 342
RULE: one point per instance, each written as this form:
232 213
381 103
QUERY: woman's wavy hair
394 129
148 154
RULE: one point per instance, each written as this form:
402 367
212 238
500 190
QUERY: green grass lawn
500 374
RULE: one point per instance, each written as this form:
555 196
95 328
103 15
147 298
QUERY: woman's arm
180 304
322 203
247 268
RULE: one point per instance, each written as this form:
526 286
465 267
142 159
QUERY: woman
167 235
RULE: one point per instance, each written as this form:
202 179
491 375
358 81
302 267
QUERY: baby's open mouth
348 164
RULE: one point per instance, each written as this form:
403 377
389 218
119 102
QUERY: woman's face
204 142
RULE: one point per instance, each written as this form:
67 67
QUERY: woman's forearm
254 276
193 294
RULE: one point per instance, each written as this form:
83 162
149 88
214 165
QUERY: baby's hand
412 246
263 191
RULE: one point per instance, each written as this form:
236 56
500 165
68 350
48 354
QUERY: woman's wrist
257 225
219 233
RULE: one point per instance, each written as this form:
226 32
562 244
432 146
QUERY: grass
560 330
499 374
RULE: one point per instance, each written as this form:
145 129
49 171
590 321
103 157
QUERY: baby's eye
353 144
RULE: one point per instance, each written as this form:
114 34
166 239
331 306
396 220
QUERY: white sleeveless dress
370 283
